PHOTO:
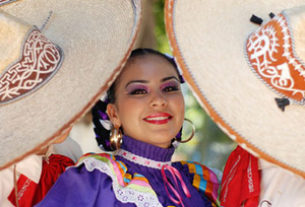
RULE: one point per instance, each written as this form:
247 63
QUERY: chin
162 145
161 141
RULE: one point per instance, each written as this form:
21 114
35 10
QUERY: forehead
147 67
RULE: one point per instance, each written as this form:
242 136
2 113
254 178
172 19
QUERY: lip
158 118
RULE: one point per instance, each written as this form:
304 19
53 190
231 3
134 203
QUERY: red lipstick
158 118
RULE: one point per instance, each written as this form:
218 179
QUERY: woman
146 105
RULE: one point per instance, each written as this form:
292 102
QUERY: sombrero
53 73
245 74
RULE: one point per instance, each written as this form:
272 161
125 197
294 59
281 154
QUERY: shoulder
103 162
89 178
96 158
202 178
86 187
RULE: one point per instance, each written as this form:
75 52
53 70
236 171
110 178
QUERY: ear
112 112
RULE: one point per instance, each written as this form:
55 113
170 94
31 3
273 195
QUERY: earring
192 134
116 138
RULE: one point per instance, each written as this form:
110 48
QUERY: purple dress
139 174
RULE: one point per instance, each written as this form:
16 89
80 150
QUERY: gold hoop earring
193 132
116 138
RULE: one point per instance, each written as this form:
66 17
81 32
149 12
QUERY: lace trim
138 192
141 160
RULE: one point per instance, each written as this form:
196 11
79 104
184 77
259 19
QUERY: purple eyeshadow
134 87
173 84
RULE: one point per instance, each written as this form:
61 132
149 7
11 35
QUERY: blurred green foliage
210 145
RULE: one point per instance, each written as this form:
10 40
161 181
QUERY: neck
147 150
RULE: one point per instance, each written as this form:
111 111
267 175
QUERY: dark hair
100 118
102 125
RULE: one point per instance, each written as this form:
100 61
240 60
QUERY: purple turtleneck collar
147 150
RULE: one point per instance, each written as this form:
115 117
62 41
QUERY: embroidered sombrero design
56 59
249 77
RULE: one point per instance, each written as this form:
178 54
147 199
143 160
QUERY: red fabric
240 183
30 193
26 190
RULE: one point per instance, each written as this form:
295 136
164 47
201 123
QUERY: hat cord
46 21
15 186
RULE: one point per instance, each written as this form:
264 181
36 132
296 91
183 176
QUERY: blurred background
210 146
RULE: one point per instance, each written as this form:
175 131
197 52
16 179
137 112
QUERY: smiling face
149 104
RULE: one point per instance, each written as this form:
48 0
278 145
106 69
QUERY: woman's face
149 103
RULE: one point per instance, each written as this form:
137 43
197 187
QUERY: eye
139 91
170 88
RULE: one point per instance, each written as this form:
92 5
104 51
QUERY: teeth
157 118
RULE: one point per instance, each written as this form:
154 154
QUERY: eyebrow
169 78
136 81
145 81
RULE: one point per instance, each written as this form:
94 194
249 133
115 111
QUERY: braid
102 125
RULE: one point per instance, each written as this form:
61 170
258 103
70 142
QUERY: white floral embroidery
263 45
40 60
125 194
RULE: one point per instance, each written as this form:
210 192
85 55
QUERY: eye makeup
171 85
137 88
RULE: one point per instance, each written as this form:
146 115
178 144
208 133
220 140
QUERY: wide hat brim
96 37
208 39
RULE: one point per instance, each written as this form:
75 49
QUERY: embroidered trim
39 61
270 54
227 181
250 177
141 160
137 191
23 189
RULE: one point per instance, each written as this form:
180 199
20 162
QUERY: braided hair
102 124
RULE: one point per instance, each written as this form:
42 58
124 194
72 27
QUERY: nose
158 100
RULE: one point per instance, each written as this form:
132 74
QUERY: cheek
179 106
129 109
